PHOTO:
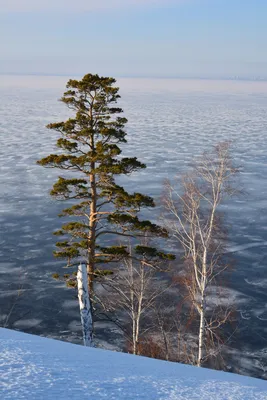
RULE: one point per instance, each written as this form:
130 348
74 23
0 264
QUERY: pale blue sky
200 38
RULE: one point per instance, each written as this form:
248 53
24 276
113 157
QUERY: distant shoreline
204 78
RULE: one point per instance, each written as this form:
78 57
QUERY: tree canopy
90 160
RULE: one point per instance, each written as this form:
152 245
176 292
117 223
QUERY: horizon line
121 76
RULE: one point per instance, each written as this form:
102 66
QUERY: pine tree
90 156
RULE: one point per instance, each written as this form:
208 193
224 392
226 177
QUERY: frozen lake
170 122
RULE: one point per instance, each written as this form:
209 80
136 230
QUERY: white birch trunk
85 305
200 338
134 333
202 328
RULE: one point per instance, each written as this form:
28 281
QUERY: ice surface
170 122
37 368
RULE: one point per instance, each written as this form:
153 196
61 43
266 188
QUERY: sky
144 38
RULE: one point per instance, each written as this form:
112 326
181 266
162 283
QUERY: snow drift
32 367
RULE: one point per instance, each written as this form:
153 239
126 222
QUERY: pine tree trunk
85 306
92 231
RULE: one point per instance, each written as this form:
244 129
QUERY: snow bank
32 368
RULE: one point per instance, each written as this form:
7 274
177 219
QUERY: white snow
32 367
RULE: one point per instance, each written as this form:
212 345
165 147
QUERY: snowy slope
32 368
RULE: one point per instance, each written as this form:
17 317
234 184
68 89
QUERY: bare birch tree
133 290
195 220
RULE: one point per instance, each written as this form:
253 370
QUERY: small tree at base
134 289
